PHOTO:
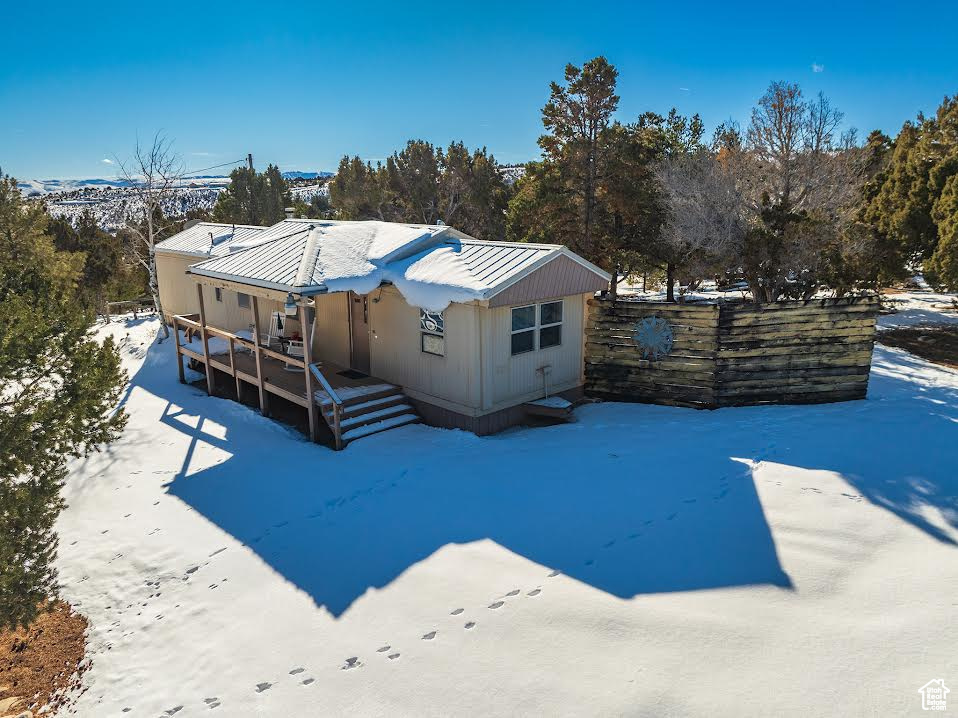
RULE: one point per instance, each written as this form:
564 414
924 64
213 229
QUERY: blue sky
301 84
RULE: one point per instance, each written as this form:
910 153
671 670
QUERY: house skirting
490 423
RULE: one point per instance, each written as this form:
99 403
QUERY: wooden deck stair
356 412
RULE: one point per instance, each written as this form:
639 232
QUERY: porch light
290 306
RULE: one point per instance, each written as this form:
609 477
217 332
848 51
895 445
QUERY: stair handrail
337 403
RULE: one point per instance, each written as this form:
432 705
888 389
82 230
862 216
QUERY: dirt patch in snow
934 343
43 663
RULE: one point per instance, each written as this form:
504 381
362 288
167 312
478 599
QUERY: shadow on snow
632 499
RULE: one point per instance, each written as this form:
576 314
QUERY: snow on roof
431 265
209 239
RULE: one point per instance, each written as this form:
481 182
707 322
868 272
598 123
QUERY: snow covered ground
645 560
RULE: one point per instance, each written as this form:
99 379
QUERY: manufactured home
370 325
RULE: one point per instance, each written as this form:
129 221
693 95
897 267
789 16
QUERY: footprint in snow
672 516
393 656
307 681
609 544
497 604
689 501
589 562
260 687
634 536
296 671
534 592
470 624
554 574
383 649
352 663
514 592
219 550
207 701
429 636
457 612
174 710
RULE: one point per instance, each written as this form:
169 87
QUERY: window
242 300
523 329
550 325
218 293
544 320
432 328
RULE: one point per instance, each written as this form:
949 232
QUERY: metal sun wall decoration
653 336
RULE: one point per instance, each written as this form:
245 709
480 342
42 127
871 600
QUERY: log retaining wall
712 354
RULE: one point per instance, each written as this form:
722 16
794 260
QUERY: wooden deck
315 386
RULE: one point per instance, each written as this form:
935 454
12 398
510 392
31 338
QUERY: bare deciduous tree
707 216
153 174
794 159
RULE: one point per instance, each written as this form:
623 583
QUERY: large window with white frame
536 326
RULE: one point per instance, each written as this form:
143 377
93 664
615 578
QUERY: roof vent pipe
290 213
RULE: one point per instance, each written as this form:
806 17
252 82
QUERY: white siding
510 380
396 354
331 341
177 290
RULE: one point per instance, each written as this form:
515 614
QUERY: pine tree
577 119
253 198
910 201
59 388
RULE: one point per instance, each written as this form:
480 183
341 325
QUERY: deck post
239 394
179 356
308 358
204 336
263 407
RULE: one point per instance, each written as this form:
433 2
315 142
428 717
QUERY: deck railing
311 370
337 405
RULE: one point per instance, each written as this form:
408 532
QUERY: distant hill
37 188
306 175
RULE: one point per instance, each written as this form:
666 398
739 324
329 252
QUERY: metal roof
314 256
273 264
209 239
493 263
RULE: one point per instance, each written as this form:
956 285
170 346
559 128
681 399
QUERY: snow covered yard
642 561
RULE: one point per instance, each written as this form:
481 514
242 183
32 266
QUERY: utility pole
252 195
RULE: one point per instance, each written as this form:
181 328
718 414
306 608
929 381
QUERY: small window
550 313
550 325
218 293
431 321
523 342
242 300
433 344
543 319
432 326
550 336
523 329
523 317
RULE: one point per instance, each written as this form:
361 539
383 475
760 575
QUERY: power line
215 167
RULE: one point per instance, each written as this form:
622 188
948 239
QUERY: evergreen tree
576 147
59 387
424 184
910 201
253 198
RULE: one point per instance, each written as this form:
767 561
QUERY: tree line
789 204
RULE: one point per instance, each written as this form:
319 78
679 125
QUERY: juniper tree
58 389
253 197
912 199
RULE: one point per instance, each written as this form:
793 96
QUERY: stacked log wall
733 354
